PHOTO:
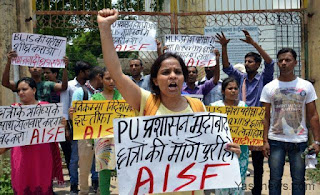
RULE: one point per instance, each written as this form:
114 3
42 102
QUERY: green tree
83 40
85 47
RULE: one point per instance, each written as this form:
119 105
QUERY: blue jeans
277 156
94 173
74 176
74 179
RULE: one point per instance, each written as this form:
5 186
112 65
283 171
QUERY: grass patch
314 174
5 177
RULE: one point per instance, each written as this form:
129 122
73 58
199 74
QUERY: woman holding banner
104 147
168 73
33 167
230 92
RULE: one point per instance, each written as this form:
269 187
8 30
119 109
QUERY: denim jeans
74 165
74 179
277 156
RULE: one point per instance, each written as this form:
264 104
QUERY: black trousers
257 161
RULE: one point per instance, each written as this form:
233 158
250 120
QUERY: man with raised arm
251 84
44 88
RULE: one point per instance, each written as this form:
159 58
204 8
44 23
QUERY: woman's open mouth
173 86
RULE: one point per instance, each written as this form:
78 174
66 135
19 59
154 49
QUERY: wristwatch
317 142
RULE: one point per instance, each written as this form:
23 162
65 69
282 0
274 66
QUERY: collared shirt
79 93
66 96
144 82
203 89
255 86
215 93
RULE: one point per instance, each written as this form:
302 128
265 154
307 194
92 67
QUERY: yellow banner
94 119
246 123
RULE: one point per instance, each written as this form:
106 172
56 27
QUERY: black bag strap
85 93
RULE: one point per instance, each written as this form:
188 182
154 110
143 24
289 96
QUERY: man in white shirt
289 102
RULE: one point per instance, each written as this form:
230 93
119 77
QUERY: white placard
134 35
169 153
30 124
39 50
237 49
196 50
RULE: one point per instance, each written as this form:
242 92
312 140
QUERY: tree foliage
84 43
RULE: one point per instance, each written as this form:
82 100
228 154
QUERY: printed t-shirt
44 89
288 106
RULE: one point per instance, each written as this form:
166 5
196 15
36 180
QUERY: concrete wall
13 14
8 25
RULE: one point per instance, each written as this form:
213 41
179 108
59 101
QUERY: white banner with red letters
39 50
171 153
30 124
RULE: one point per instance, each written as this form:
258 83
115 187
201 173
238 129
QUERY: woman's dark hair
225 83
157 64
30 82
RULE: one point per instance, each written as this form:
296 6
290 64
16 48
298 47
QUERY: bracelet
317 142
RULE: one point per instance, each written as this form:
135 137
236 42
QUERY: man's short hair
81 65
286 50
256 57
97 70
54 70
137 59
194 67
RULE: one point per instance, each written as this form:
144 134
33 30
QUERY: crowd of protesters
285 130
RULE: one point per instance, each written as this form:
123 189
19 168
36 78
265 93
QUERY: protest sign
93 119
246 123
237 49
39 50
30 124
196 50
170 153
134 35
105 153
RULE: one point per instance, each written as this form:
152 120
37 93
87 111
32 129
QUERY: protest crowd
167 109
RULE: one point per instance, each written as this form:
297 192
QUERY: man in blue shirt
215 93
136 68
251 84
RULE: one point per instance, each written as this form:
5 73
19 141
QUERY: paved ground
312 189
